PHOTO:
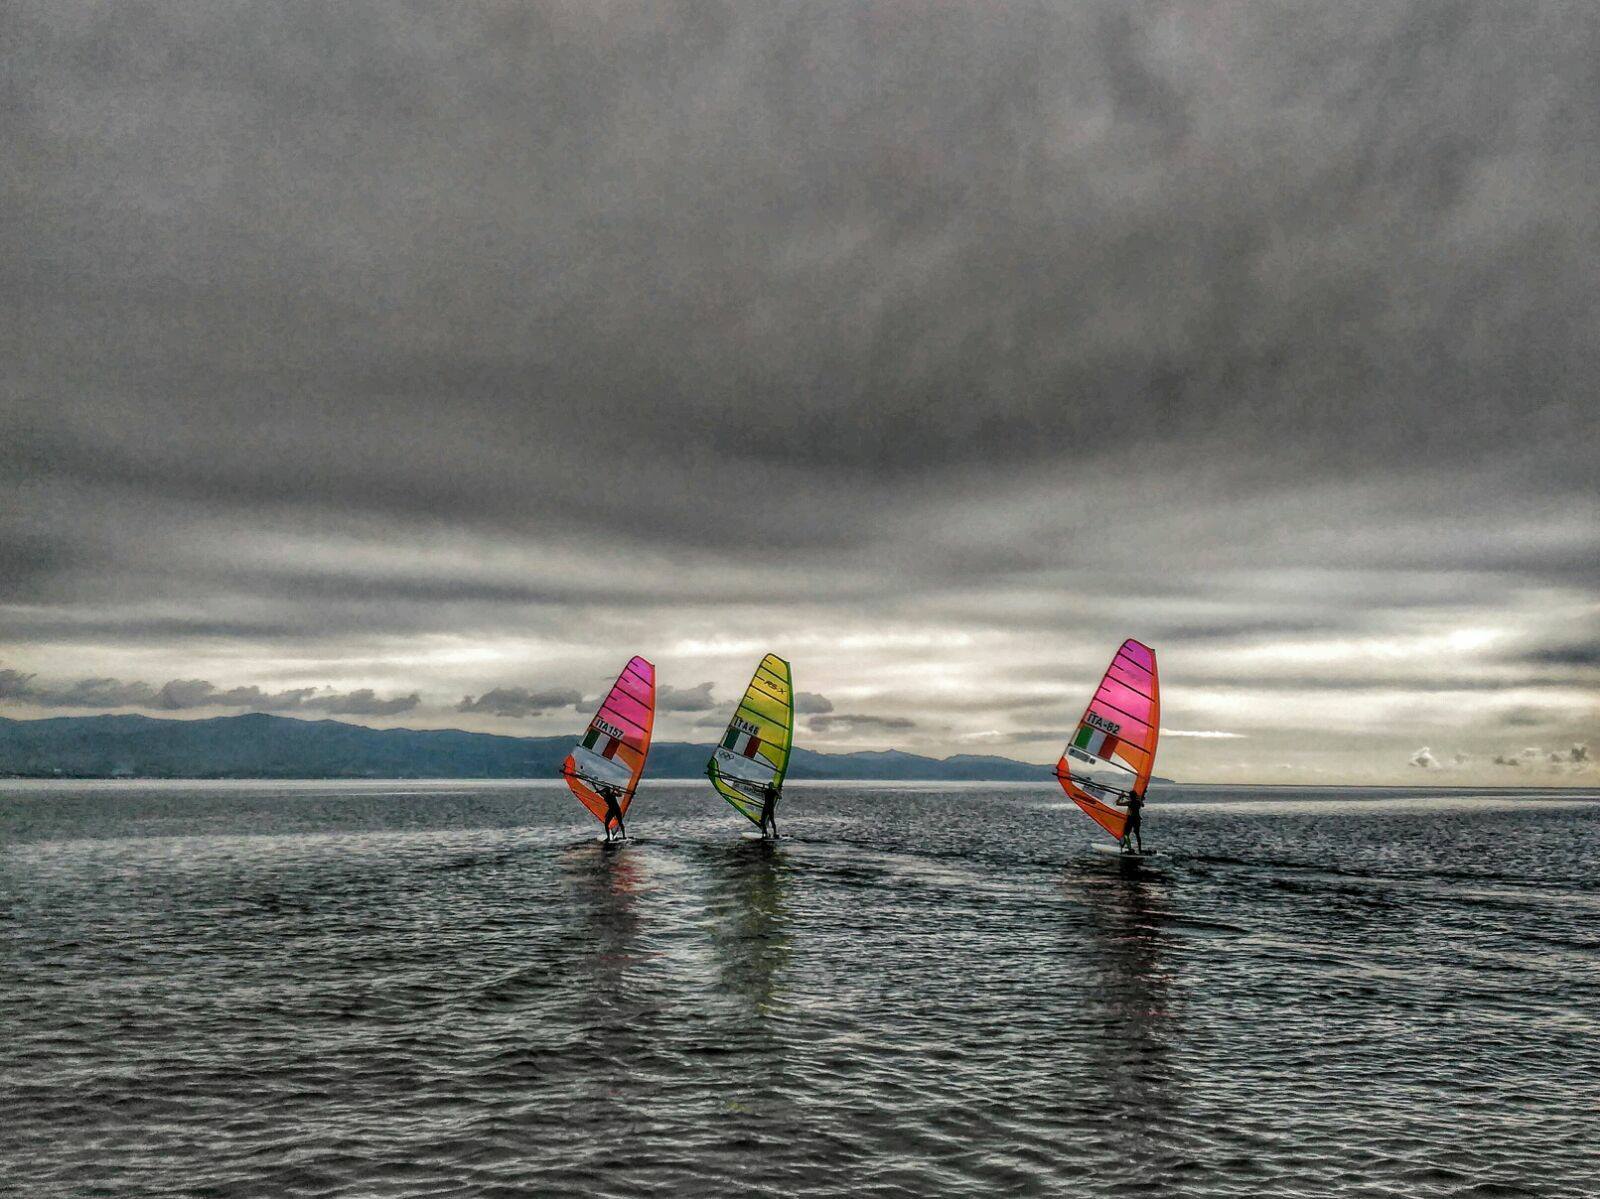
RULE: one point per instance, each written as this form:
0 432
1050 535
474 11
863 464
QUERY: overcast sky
419 365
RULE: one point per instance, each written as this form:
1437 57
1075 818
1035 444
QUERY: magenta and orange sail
614 747
1113 750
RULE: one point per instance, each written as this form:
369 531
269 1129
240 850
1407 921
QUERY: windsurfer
1134 802
769 810
613 810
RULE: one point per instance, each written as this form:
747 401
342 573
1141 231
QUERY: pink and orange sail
1114 748
613 749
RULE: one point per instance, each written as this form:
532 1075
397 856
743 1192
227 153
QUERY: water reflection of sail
750 923
1128 1012
597 1016
606 880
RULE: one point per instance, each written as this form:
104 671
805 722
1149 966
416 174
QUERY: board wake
1116 851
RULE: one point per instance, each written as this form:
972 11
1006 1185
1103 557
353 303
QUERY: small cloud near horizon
855 723
1573 760
685 699
520 701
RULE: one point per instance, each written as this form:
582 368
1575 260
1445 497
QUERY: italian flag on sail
1094 741
601 742
742 738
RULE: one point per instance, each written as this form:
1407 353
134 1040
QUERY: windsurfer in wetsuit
1134 802
769 809
613 810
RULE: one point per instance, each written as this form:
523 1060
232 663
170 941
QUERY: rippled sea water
453 989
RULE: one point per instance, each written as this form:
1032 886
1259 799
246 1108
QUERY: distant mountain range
263 746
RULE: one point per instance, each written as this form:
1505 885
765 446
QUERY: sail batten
754 751
613 749
1113 750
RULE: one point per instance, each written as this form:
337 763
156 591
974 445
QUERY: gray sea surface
454 989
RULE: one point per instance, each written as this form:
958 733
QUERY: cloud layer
178 695
464 352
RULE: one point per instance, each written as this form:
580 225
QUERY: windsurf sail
1114 748
614 747
755 750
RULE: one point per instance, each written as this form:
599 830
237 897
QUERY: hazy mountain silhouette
262 746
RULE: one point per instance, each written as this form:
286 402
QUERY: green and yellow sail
754 752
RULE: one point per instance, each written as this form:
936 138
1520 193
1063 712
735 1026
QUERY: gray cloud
520 701
1586 653
183 694
685 699
1022 736
1263 260
178 694
83 693
363 702
1574 759
14 684
1426 759
810 703
854 723
1577 755
29 561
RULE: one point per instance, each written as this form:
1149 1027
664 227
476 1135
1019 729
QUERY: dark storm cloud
28 561
519 701
425 263
685 699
